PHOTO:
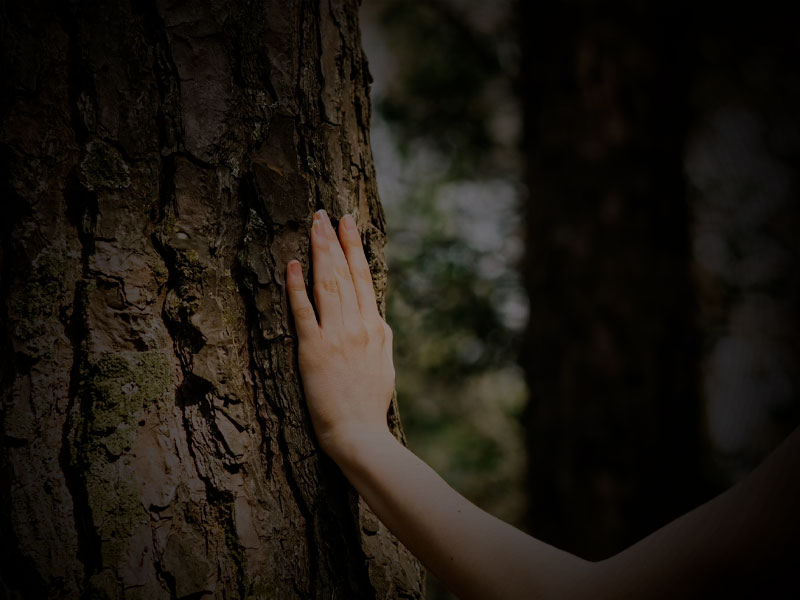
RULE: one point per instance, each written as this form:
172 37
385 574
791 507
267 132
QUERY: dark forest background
592 216
593 245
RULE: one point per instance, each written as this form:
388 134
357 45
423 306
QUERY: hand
345 358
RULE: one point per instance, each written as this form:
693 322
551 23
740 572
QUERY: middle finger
333 285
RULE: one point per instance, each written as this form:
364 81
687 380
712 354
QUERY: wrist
349 446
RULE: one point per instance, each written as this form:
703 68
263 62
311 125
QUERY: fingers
345 298
304 319
359 269
333 286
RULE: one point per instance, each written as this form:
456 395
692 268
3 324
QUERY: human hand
345 359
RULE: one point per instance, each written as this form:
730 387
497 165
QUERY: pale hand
345 357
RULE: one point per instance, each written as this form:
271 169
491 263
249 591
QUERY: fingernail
318 225
349 223
294 269
323 221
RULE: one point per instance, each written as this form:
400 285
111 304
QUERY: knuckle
304 312
358 336
329 286
336 348
343 273
377 330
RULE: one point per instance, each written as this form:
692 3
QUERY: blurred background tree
598 200
445 148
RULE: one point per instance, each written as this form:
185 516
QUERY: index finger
305 319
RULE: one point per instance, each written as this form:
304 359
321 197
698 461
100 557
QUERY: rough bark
162 161
614 423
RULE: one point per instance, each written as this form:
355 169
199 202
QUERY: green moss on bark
118 385
184 300
37 298
103 167
115 389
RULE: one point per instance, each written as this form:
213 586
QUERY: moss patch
103 168
114 391
103 586
169 225
116 509
118 385
185 299
188 266
159 270
260 590
37 298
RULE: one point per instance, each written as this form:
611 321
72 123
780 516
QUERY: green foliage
435 286
441 91
459 389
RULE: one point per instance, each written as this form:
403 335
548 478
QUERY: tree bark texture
614 423
162 161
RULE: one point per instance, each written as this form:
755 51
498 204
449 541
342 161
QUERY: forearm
742 541
475 554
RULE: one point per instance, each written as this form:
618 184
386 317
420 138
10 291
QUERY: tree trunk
162 162
614 423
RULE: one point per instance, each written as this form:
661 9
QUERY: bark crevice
81 207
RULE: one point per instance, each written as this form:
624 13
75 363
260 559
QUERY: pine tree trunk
162 163
611 351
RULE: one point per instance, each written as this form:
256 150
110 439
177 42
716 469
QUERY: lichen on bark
117 385
114 391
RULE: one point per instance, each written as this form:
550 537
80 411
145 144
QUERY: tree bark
614 423
162 161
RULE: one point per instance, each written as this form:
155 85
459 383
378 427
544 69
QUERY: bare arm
745 542
348 375
475 554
